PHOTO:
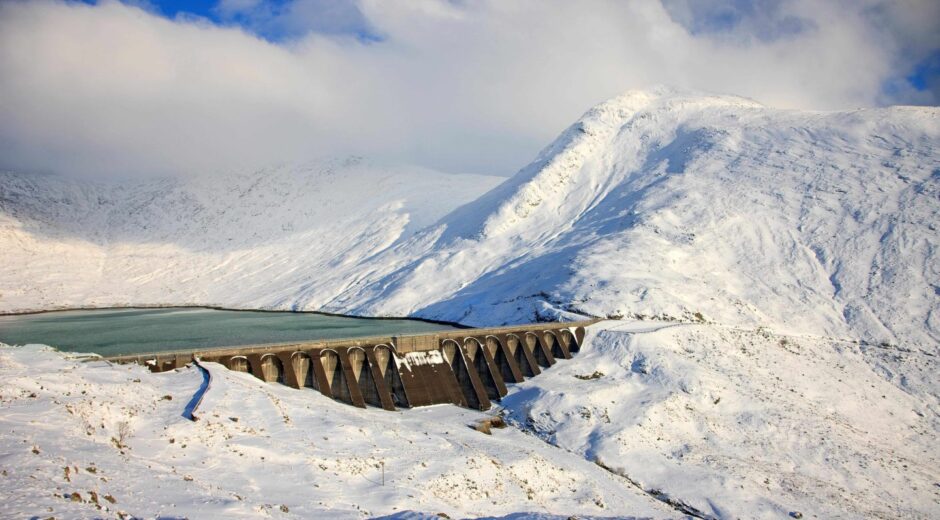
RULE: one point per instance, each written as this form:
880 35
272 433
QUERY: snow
771 278
666 204
752 424
287 447
276 238
725 422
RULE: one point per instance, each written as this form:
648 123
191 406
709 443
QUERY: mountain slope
277 238
665 203
747 424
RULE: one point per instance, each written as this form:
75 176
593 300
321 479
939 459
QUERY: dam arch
478 357
272 370
579 333
363 375
302 365
238 364
554 345
503 360
454 356
335 375
542 355
385 356
521 352
569 340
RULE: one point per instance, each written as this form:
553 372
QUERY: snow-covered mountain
656 203
665 203
277 238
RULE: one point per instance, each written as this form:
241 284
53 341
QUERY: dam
465 367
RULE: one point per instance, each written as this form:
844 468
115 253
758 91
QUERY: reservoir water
129 331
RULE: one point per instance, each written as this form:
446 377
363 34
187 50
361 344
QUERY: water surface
129 331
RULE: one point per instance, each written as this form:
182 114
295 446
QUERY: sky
108 88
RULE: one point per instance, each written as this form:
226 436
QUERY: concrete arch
385 357
472 346
335 377
493 345
579 336
239 364
557 348
504 361
543 356
450 350
362 373
523 355
569 340
303 368
272 370
454 357
478 357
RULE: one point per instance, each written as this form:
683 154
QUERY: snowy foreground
716 421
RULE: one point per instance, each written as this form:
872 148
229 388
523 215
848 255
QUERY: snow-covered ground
749 424
714 420
265 450
777 274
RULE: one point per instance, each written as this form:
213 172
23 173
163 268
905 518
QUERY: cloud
458 86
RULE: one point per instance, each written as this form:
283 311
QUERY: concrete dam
466 367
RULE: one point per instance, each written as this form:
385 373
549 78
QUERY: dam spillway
465 367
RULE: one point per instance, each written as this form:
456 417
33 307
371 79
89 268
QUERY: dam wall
466 367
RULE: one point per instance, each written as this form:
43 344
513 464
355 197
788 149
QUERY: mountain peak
664 202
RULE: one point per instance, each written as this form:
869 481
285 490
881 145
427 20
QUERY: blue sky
274 20
171 8
454 85
926 72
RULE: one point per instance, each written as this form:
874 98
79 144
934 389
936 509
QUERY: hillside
668 204
276 238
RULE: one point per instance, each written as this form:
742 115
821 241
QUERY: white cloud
477 86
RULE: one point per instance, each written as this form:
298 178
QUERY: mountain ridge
651 174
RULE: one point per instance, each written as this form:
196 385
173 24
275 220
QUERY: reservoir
130 331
